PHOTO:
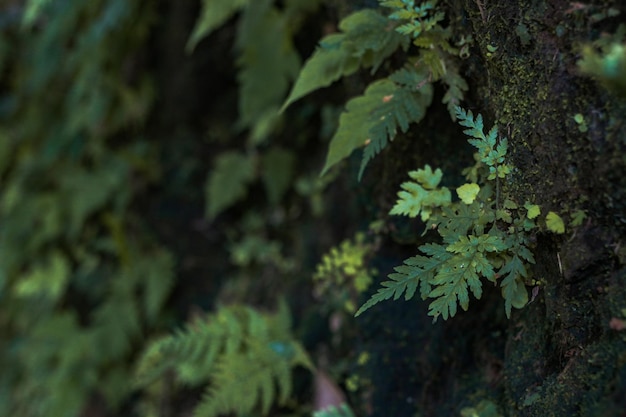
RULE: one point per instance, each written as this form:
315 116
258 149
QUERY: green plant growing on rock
390 104
482 237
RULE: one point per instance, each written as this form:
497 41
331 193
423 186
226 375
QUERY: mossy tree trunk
565 353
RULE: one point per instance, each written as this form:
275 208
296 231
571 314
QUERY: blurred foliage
605 61
84 278
81 279
343 273
243 353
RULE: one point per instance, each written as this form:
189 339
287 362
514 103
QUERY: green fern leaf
411 79
214 14
405 105
365 41
356 121
247 358
436 38
416 271
513 288
451 284
421 195
419 21
466 118
193 351
462 219
491 152
449 272
228 181
242 382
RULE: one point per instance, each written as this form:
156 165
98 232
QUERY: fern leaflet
513 288
372 119
416 271
407 104
365 40
243 355
422 194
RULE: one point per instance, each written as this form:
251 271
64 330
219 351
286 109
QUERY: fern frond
355 122
402 108
462 271
491 151
193 351
463 219
410 78
452 289
466 118
416 271
474 246
246 357
364 41
259 377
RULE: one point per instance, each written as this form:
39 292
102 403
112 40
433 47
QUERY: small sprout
492 48
580 121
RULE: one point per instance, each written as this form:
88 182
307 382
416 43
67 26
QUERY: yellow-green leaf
533 210
555 223
468 192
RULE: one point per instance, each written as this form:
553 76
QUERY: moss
560 356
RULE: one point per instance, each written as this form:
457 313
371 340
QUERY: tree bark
563 354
